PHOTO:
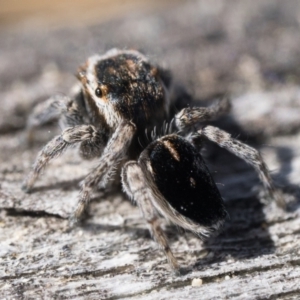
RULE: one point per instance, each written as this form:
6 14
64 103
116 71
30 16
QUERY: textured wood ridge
245 49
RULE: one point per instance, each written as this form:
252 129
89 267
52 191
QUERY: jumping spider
121 96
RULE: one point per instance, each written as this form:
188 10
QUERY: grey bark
247 49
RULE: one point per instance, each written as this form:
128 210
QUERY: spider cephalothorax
122 95
124 85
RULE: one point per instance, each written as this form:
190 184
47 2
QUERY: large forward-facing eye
98 92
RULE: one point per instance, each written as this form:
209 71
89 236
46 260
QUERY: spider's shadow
243 236
285 156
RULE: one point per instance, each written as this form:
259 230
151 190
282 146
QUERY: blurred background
241 48
73 13
236 38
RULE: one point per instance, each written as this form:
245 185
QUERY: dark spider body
122 95
127 87
134 87
184 180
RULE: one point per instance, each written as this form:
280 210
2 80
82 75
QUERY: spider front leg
192 116
114 152
52 109
248 154
58 145
135 186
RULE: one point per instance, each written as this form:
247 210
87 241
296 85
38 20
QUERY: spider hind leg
171 179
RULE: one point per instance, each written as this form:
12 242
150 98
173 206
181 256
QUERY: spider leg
58 145
113 153
191 116
52 109
135 185
245 152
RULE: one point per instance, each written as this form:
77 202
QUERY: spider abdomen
181 176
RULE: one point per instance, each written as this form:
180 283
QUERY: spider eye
98 92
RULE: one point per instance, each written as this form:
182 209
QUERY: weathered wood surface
247 49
